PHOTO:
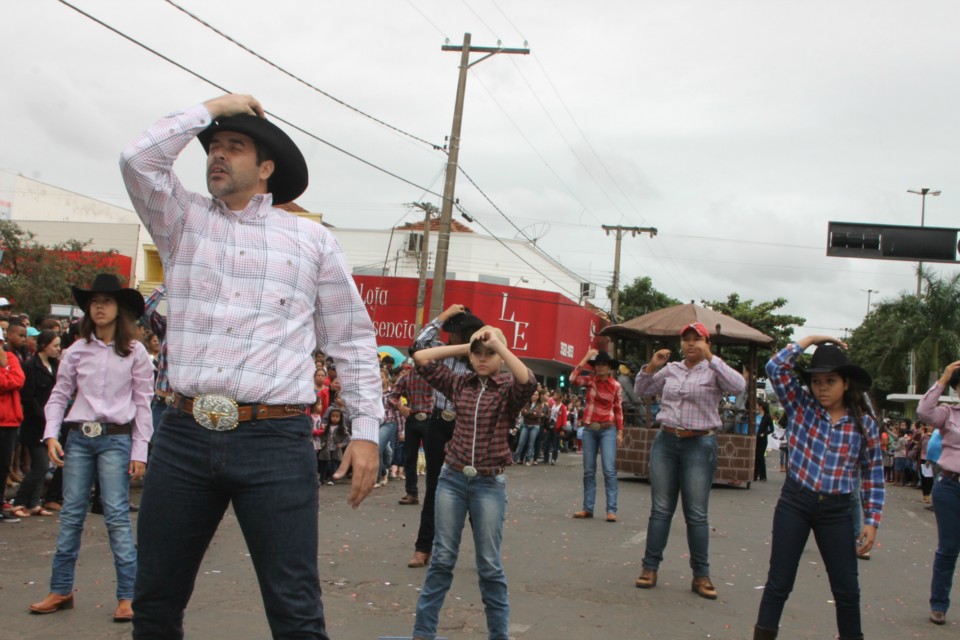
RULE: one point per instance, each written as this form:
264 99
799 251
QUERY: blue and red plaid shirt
826 457
158 324
416 390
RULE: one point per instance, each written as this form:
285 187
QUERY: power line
209 26
278 118
225 90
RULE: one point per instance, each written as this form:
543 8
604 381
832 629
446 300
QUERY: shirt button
229 329
236 295
219 369
243 253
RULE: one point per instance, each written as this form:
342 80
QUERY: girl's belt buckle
91 429
216 412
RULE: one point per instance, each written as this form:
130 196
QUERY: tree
640 297
33 276
928 325
762 317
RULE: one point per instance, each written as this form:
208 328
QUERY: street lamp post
923 193
869 292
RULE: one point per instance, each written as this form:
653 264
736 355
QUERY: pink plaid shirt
690 398
251 293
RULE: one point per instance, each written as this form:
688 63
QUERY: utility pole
429 212
923 193
619 231
453 153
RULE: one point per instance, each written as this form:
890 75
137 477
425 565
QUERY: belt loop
254 411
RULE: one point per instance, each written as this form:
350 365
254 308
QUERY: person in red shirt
602 429
11 415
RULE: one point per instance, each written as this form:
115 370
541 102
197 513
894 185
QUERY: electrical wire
225 90
209 26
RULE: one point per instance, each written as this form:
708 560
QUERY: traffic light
563 381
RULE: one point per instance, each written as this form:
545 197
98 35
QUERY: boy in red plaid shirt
472 481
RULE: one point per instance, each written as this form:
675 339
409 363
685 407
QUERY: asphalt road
568 578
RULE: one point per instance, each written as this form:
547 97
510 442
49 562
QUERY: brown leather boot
419 560
647 579
704 588
52 603
124 612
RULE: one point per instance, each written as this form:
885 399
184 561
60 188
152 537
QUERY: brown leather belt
105 428
600 426
686 433
247 412
487 471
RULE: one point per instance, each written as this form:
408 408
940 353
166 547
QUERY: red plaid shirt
603 402
416 390
486 411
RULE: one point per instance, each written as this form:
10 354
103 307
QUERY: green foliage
929 324
640 297
761 316
33 276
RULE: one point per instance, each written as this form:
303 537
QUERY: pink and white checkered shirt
251 293
690 397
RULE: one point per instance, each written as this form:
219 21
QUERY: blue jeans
798 512
681 467
528 441
194 475
551 445
946 506
106 458
603 441
484 498
388 433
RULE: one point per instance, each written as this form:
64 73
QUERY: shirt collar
256 209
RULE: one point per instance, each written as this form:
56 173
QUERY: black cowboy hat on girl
290 176
829 358
108 283
603 357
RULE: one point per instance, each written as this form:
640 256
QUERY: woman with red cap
683 459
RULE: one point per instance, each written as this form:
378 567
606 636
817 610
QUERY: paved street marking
635 540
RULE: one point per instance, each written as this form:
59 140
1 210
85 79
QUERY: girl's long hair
126 331
855 399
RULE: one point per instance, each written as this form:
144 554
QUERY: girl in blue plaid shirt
832 438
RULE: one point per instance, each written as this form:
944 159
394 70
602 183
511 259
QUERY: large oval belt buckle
448 416
216 412
91 429
470 471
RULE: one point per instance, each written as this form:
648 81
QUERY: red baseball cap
701 330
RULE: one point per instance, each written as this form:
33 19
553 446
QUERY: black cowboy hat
464 323
109 283
828 358
289 179
604 358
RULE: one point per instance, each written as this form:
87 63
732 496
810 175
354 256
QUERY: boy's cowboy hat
828 358
289 179
464 323
109 283
604 358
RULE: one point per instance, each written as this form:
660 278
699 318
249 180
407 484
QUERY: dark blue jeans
946 505
194 474
798 512
438 434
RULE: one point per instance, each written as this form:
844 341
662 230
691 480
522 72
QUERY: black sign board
892 242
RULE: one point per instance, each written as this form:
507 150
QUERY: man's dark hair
263 153
15 322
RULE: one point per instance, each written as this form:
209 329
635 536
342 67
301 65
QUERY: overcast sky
738 129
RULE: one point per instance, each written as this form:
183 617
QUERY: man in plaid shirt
252 292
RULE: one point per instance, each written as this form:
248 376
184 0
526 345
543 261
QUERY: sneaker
329 483
8 519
